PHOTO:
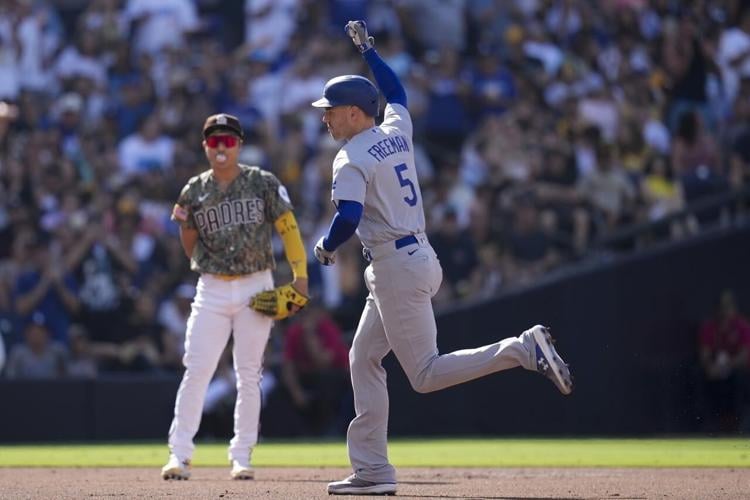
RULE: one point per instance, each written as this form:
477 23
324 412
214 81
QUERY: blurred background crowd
542 128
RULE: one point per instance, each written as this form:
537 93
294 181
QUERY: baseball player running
225 216
376 193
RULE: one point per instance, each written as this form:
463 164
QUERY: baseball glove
277 303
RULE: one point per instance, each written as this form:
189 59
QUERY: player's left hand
357 31
281 302
324 256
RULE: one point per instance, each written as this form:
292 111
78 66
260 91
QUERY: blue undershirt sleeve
343 225
388 82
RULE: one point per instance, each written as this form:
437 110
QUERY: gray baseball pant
398 316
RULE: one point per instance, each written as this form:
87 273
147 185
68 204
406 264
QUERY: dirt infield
287 484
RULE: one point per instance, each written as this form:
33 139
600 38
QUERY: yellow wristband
286 225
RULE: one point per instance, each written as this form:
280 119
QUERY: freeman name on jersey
229 213
389 146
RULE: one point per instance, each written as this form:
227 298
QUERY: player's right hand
324 256
357 31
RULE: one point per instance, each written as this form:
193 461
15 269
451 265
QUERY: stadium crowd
540 126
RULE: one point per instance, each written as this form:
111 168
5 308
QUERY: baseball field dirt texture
513 469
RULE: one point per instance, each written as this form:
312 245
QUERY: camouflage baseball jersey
234 226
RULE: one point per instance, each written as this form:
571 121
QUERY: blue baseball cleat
548 362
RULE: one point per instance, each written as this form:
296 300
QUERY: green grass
477 452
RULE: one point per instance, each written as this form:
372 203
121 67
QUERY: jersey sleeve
182 212
398 117
277 197
349 181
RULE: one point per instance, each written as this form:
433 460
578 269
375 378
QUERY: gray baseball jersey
376 168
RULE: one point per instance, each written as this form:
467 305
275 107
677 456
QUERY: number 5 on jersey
400 169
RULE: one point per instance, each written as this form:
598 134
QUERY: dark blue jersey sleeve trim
344 224
388 82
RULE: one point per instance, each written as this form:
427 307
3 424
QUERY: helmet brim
322 103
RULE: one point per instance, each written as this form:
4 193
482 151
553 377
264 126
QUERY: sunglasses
230 141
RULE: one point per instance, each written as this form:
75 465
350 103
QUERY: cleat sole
545 343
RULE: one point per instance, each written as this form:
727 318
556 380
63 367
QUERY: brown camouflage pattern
234 226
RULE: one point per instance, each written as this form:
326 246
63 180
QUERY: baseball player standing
225 216
376 193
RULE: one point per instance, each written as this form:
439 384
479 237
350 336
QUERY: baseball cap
222 121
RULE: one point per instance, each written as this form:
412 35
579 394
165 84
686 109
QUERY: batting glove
324 256
357 31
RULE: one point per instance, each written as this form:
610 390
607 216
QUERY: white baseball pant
220 308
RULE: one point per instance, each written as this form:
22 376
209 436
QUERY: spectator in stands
493 86
694 153
695 160
103 19
158 25
458 256
46 286
10 77
560 201
82 362
147 150
269 26
738 137
687 60
660 191
82 59
733 55
173 315
489 271
104 269
446 121
609 191
130 94
432 26
38 357
138 343
315 370
724 349
529 248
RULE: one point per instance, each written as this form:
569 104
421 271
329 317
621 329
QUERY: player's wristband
286 225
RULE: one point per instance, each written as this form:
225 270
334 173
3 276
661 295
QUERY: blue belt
406 241
399 243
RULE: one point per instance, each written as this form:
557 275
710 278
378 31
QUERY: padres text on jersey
233 225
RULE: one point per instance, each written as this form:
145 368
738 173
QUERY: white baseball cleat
176 469
353 485
241 471
548 362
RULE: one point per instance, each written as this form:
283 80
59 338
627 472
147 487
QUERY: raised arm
387 80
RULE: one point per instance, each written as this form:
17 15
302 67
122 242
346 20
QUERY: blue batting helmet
350 90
